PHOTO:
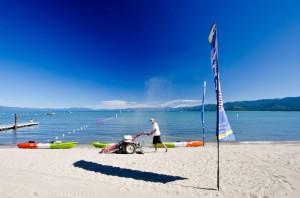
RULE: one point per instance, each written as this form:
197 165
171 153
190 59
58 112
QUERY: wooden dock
20 125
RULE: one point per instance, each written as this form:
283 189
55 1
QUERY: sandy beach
246 170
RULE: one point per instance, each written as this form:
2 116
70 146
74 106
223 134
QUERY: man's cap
152 120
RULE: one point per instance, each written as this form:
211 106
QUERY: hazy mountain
284 104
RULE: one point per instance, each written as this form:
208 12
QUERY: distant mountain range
18 109
284 104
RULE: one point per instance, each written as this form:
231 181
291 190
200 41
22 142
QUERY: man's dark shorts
156 139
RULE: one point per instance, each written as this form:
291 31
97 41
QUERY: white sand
265 170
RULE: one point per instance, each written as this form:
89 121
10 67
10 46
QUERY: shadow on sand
126 173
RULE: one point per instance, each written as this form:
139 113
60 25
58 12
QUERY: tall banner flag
202 114
224 132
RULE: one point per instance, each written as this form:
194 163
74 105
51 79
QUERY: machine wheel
129 148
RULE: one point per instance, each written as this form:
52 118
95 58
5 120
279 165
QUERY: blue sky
120 54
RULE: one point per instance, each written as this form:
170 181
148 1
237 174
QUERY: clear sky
133 53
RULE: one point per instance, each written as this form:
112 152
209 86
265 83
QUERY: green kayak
101 144
62 145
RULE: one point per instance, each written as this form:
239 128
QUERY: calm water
85 127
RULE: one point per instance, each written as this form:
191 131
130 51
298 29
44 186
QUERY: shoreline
296 142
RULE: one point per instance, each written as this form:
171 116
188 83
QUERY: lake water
87 127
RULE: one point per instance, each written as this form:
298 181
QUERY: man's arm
153 131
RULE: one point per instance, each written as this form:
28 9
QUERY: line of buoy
99 121
70 132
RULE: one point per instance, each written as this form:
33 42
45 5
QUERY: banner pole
223 130
203 127
218 142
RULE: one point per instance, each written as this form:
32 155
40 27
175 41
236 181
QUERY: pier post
16 121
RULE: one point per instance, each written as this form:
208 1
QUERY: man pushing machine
156 135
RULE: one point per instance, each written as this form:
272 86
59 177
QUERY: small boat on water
52 145
50 113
